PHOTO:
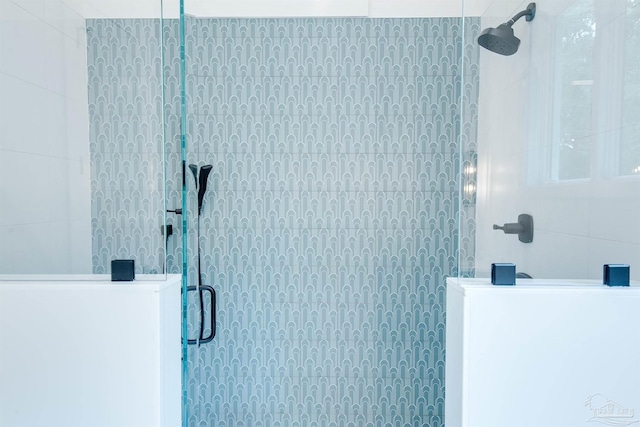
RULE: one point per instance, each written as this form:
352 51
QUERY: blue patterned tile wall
126 143
333 211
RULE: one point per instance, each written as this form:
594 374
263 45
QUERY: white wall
579 224
45 205
280 8
98 353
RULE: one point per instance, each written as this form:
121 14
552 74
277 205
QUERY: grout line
42 155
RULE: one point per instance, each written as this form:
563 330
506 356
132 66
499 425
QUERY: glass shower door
192 184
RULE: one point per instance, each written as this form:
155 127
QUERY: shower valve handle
523 228
510 228
175 211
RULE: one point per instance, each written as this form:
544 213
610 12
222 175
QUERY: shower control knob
523 228
510 228
175 211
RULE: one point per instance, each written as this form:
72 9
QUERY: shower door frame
185 234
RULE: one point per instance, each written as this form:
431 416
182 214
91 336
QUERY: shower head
501 39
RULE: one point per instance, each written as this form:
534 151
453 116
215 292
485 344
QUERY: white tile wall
275 8
579 225
601 251
280 8
45 204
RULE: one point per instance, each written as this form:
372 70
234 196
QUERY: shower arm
513 20
529 12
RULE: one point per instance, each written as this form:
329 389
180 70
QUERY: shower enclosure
330 217
315 174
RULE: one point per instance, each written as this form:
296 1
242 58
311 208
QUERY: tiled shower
332 215
357 162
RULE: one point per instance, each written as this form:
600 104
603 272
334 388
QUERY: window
630 130
590 117
571 140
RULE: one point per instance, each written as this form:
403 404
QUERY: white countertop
89 281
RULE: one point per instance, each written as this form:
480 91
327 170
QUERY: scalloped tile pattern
333 211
